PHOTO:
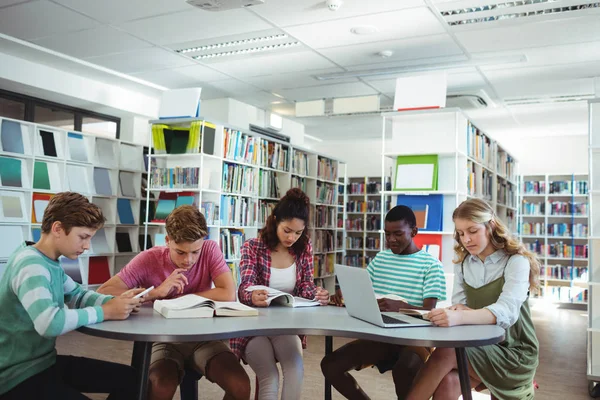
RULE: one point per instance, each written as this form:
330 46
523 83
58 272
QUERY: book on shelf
417 172
278 297
194 306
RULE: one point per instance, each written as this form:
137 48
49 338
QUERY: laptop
361 303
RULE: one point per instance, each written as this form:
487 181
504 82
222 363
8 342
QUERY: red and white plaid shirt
255 269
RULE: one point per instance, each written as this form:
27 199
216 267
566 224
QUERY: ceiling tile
464 78
262 64
105 10
194 25
406 49
260 99
41 18
294 80
141 60
391 25
173 78
531 34
105 39
6 3
286 12
234 86
327 91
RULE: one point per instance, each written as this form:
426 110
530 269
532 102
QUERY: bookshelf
451 160
364 221
554 225
38 161
593 359
236 177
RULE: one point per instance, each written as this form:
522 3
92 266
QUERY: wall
549 155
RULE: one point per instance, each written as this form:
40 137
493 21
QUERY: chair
189 385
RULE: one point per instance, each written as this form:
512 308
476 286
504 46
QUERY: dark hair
402 213
186 224
295 204
72 210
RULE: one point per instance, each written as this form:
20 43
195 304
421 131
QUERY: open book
422 314
194 306
286 299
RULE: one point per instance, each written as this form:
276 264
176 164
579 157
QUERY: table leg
140 360
328 350
463 373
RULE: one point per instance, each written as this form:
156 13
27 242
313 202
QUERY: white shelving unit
470 164
554 224
54 160
363 223
593 359
236 185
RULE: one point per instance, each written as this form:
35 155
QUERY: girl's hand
445 317
259 298
322 296
458 307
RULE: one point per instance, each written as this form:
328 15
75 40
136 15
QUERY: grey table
148 326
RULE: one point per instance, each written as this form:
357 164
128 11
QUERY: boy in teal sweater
39 302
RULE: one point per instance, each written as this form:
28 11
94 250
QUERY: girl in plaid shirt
281 258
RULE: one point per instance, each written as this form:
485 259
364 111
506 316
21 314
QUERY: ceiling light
514 15
385 53
316 139
232 43
423 67
246 51
364 30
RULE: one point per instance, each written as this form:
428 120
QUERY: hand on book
120 307
174 284
387 305
259 298
445 317
322 296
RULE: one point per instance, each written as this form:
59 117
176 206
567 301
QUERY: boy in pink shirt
187 264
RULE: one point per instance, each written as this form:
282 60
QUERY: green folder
416 173
41 177
164 208
10 172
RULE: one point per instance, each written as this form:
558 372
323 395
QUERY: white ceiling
139 37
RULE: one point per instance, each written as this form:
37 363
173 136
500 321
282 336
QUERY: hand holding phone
145 292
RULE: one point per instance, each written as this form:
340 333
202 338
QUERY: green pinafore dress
506 368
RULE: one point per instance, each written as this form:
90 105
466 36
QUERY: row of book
265 208
564 294
363 206
326 193
354 243
506 165
327 169
558 229
231 242
239 179
507 194
357 260
370 187
239 146
556 208
174 178
323 241
533 208
268 184
479 146
534 187
562 272
568 187
299 182
558 249
238 211
324 265
300 163
325 217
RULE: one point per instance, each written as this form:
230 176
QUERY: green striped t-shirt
38 302
415 276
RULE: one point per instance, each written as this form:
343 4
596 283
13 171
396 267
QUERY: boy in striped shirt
402 270
40 302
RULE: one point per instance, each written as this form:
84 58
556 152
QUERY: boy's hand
337 298
259 298
120 307
129 294
322 296
174 283
391 305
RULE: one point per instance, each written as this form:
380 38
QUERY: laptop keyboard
391 320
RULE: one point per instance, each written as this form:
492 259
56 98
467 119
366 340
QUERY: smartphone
143 293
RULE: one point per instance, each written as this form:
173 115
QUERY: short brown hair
72 210
186 224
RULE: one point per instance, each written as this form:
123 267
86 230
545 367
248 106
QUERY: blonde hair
480 212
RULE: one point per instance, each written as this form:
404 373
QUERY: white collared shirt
478 273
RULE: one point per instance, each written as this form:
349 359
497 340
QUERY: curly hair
295 204
481 212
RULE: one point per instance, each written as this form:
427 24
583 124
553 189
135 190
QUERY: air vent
270 133
222 5
512 10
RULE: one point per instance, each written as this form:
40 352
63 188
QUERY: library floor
561 374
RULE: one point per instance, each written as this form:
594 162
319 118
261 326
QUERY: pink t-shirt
151 267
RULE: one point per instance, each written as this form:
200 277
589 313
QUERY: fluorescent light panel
423 67
270 47
233 43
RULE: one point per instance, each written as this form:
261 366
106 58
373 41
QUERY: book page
187 301
391 297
